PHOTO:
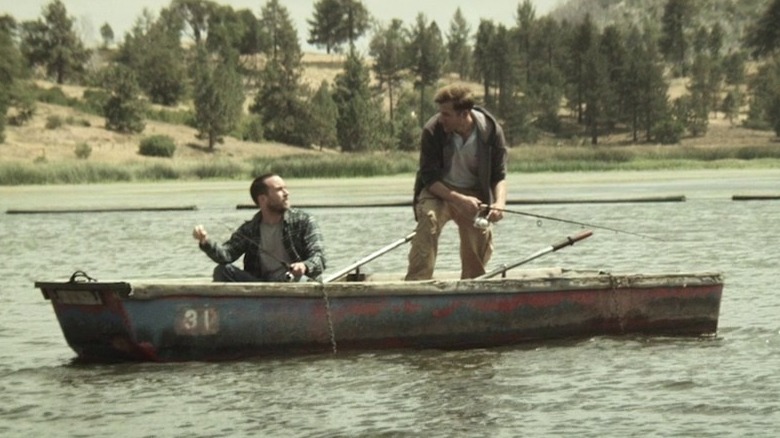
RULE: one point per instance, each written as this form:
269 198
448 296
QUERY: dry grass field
35 142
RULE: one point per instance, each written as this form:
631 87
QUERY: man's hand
496 212
468 206
199 233
298 269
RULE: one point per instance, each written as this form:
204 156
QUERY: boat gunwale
569 281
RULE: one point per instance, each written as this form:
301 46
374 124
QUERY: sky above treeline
121 15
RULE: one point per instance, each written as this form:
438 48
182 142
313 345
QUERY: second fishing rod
568 221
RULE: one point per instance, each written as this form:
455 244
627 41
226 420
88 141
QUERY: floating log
647 199
101 210
755 197
679 198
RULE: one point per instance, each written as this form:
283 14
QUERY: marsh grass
603 158
333 165
338 165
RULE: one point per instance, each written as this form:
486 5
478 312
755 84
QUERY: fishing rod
567 221
368 258
552 248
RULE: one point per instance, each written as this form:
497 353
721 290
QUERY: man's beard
278 208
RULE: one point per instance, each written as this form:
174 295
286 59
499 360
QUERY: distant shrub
251 129
756 152
83 151
174 117
54 122
95 100
70 120
157 146
25 109
55 96
668 132
22 116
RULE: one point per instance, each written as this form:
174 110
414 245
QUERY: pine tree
360 122
54 44
763 37
677 18
700 96
196 14
458 48
387 49
10 69
153 51
546 89
426 56
526 17
504 54
324 116
219 99
644 88
764 89
337 22
124 109
612 48
283 47
281 99
594 80
107 33
581 45
484 69
281 105
253 40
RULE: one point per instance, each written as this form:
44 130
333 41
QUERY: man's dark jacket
437 151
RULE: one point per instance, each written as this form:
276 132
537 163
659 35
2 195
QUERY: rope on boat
331 331
615 284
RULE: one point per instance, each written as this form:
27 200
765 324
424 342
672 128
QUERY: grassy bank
522 159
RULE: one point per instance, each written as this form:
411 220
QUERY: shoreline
693 184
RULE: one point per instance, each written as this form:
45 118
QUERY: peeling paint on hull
189 320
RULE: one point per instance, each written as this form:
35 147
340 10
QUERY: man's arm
313 263
499 202
227 252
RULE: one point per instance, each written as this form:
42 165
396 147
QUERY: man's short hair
259 187
458 94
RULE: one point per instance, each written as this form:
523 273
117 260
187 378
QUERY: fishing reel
288 277
481 223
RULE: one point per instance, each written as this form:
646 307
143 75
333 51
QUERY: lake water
623 386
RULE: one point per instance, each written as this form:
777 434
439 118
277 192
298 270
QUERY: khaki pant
476 245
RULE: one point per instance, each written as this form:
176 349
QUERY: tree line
540 76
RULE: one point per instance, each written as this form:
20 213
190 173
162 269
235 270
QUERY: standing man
278 244
462 171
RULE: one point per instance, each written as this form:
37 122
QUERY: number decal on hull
197 321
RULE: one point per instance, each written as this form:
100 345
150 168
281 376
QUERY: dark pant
230 273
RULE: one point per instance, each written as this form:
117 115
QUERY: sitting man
278 244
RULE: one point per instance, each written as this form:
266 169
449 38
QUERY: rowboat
196 319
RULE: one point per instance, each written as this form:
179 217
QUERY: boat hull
178 321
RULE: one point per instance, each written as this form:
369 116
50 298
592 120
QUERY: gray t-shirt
464 168
273 257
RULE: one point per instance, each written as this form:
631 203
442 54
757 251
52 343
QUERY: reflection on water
594 387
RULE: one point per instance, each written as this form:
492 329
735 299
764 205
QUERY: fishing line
567 221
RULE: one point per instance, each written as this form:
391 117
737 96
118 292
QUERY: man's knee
222 273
